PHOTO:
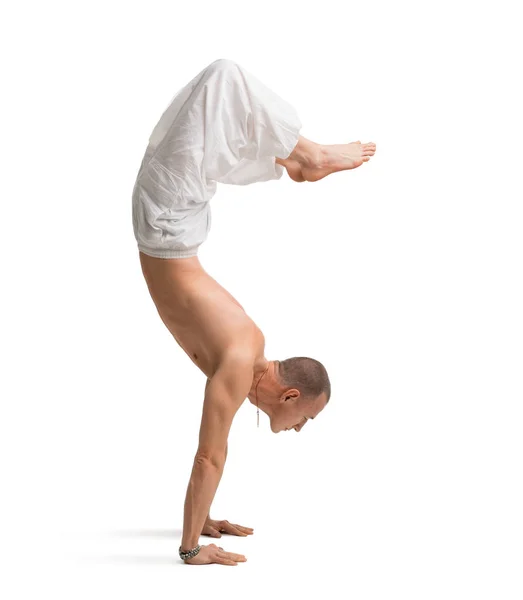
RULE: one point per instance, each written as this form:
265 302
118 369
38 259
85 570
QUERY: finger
230 528
233 556
230 555
223 558
214 533
237 557
247 530
233 530
224 561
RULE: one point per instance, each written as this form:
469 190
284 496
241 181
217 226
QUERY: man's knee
222 64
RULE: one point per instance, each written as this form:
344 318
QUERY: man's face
294 413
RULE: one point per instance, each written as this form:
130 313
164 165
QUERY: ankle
308 154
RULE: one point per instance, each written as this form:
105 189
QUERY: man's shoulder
238 355
234 373
245 350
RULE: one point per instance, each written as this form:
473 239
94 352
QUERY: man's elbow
213 459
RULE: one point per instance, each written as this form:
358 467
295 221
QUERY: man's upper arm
224 394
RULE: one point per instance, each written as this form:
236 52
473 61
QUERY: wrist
187 546
186 554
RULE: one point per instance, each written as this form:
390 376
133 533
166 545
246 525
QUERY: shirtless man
224 126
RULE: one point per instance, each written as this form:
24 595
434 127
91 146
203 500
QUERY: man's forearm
209 511
202 487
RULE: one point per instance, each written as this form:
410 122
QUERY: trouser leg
239 124
224 126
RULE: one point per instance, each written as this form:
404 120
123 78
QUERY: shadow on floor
147 533
123 559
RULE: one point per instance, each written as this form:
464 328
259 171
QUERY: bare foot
294 169
334 158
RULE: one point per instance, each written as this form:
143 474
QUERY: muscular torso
202 316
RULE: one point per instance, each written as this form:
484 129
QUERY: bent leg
246 126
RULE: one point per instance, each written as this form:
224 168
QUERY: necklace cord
256 393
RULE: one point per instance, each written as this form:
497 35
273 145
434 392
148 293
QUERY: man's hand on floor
215 554
216 528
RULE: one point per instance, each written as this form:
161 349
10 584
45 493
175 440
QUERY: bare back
202 316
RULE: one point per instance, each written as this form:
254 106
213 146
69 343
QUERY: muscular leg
310 161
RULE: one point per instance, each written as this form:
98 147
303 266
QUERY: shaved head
305 374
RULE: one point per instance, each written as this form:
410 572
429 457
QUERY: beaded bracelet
189 553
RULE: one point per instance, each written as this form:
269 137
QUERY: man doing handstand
224 126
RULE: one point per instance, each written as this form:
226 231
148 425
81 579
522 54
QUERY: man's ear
290 395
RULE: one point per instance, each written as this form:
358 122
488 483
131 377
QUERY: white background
404 277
